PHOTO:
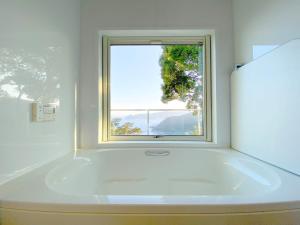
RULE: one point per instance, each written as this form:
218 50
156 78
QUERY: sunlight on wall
259 50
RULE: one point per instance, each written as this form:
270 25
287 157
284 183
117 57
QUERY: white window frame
108 41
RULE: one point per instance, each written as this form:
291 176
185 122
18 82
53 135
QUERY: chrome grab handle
157 153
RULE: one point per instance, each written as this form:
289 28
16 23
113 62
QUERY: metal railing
148 111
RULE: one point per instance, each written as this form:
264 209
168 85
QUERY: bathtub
153 186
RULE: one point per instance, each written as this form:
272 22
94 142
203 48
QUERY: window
156 88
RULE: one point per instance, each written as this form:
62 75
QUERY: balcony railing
158 114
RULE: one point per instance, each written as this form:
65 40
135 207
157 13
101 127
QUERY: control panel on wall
43 112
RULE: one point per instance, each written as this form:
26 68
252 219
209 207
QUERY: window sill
158 144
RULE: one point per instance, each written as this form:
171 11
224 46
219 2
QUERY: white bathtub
153 186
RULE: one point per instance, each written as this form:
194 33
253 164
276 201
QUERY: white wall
266 107
154 14
39 60
267 22
265 92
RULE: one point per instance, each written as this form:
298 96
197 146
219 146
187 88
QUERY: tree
124 129
181 75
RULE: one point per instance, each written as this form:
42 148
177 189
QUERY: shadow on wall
29 76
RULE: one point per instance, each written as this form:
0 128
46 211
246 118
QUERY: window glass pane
175 122
156 89
128 122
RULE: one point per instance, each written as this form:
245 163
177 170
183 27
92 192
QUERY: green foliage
197 130
124 129
180 71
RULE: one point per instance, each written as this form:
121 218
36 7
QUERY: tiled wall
39 61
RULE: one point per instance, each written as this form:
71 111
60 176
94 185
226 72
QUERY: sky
136 78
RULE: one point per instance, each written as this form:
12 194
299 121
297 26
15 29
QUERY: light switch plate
43 112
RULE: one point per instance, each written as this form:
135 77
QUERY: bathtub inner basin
165 172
